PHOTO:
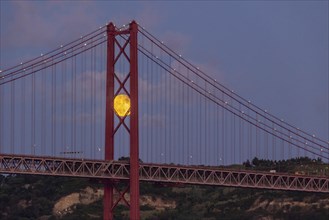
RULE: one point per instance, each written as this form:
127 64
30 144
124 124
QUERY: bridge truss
162 173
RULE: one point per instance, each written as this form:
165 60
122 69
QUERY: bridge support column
108 201
109 120
134 140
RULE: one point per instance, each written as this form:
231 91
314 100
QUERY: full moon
122 105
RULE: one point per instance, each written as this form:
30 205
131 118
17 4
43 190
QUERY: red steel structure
110 127
162 173
242 123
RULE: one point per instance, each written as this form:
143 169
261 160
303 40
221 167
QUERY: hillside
25 197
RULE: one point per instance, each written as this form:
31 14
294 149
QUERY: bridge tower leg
134 134
109 201
109 120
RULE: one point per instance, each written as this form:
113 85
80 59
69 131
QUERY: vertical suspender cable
240 137
23 110
282 146
223 132
89 95
82 138
52 110
200 130
73 102
234 156
65 100
147 108
171 117
217 156
43 112
1 118
257 137
166 113
180 119
273 145
250 135
266 144
62 102
55 110
151 107
188 119
75 106
12 118
96 74
34 144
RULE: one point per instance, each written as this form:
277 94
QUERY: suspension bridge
174 124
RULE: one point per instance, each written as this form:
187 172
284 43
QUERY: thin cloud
177 41
46 25
150 16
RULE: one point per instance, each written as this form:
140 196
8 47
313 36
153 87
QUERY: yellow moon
122 105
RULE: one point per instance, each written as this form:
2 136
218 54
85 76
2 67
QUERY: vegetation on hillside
300 165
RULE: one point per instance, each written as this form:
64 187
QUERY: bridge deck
119 170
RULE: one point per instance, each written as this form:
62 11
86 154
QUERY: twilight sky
274 53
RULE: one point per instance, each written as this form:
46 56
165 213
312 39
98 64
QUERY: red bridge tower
111 127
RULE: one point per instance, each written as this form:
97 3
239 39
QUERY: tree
247 164
256 162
